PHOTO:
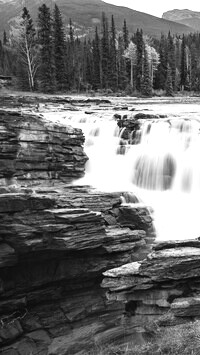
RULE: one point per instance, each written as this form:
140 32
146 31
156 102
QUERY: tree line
48 57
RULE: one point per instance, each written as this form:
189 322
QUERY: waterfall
159 163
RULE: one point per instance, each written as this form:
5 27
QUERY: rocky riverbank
56 240
77 267
33 150
161 290
55 245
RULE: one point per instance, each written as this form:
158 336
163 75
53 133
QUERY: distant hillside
185 17
87 13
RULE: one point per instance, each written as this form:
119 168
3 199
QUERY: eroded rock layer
163 288
53 251
56 240
34 150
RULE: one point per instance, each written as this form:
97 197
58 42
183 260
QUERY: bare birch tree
23 37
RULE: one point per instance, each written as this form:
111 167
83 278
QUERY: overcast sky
156 7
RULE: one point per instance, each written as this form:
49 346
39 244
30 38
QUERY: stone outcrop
56 240
131 124
164 287
33 150
60 103
55 244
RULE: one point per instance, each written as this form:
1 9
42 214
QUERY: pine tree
71 31
171 58
59 49
161 73
125 35
139 65
113 79
183 73
195 78
104 53
169 82
89 65
96 61
47 65
5 39
146 87
71 57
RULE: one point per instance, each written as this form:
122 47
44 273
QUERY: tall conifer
113 79
59 49
171 58
146 87
5 39
47 64
139 65
183 73
71 56
104 52
161 73
96 61
169 82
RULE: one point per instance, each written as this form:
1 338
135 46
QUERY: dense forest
48 57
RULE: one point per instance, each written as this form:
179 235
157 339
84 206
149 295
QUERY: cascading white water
163 170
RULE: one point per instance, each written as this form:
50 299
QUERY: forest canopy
49 57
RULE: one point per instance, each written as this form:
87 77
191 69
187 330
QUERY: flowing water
162 169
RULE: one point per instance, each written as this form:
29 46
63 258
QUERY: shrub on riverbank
177 340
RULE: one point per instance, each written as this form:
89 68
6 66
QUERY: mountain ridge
185 16
87 14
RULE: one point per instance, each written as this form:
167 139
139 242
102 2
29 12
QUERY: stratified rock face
56 240
163 287
33 150
54 245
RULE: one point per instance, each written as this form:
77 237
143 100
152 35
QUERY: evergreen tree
146 88
5 39
139 65
71 31
89 65
59 49
183 73
171 59
47 65
96 61
126 42
104 53
169 82
125 35
161 73
71 57
113 79
195 70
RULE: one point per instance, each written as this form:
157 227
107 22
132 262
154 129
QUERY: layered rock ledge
53 250
56 240
33 149
163 288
